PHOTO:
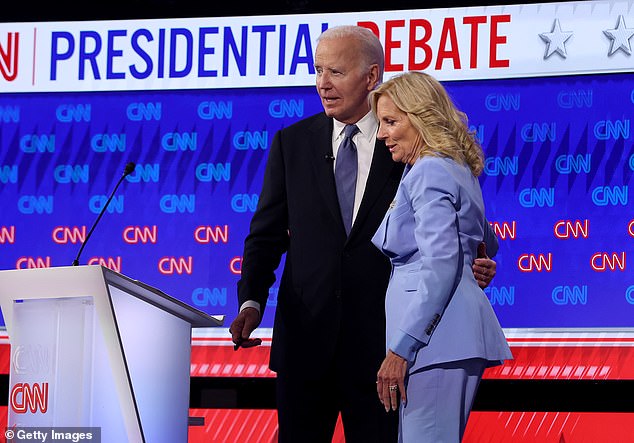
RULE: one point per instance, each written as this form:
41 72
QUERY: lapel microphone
329 157
129 168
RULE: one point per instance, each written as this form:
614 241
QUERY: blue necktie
346 175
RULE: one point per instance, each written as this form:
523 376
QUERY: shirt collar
368 126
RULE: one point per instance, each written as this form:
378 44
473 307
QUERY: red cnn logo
7 234
9 57
565 229
64 234
33 262
235 265
109 262
602 261
504 229
140 234
173 265
630 228
209 234
24 396
532 262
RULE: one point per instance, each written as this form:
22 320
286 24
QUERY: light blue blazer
435 310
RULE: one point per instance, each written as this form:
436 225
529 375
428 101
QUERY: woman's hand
391 380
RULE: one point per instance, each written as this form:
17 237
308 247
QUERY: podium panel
51 363
88 349
158 365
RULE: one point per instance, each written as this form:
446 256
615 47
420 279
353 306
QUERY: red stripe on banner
222 340
230 425
596 341
549 427
234 425
530 362
5 358
223 361
567 363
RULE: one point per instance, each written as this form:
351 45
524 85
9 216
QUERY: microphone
329 157
129 168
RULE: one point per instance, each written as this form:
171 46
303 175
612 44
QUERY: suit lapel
320 139
380 171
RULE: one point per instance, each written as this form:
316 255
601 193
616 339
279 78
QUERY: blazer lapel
380 171
320 140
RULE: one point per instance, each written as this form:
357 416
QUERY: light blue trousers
439 399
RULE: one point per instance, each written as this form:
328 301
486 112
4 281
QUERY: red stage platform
567 356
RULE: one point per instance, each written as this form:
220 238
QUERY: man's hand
242 327
483 267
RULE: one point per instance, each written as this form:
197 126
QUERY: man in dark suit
329 332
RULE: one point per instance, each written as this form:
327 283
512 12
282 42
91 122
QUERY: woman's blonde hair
443 128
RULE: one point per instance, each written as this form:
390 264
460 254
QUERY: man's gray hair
369 44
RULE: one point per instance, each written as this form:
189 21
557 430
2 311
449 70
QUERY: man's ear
373 76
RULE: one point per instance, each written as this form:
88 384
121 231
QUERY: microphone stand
128 170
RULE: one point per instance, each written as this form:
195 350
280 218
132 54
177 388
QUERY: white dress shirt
364 140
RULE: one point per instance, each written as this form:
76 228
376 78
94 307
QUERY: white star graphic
556 40
620 37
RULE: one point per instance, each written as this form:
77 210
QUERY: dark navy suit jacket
333 287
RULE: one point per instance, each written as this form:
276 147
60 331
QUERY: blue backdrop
559 165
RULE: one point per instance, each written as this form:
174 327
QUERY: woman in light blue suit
441 329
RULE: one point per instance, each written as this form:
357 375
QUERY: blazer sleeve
433 194
268 237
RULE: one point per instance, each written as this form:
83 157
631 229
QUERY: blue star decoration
556 40
620 37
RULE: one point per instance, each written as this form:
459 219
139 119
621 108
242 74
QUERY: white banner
238 52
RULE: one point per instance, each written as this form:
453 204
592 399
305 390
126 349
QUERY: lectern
93 348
